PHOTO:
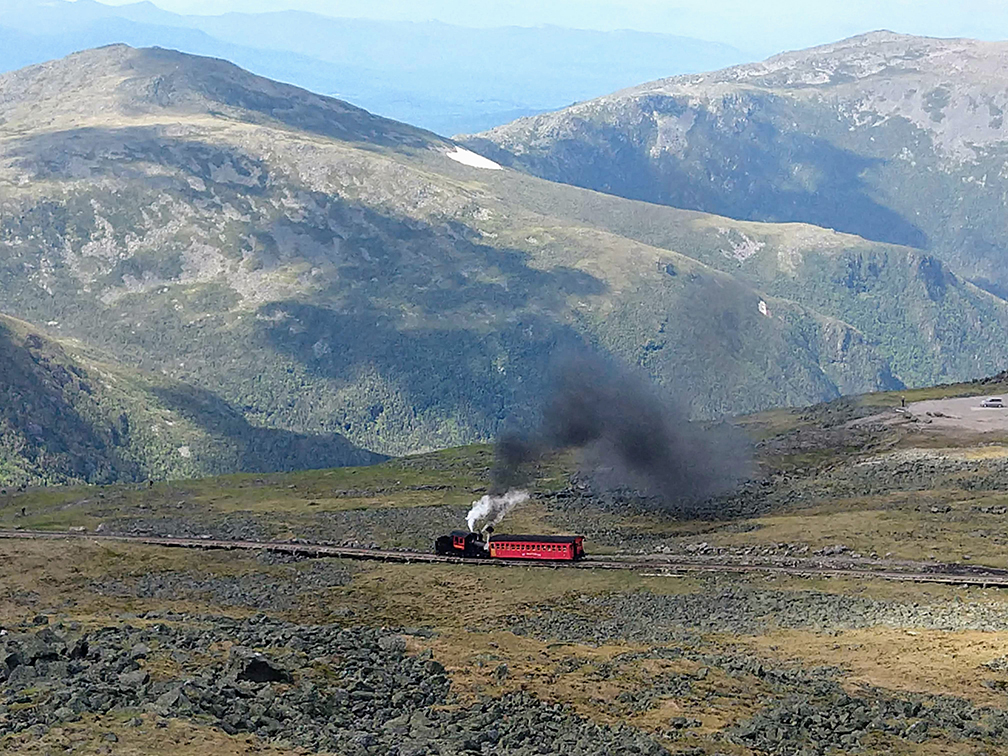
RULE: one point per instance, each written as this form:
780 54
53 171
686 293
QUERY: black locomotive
461 543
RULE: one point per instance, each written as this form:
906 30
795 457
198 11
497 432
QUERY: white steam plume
493 509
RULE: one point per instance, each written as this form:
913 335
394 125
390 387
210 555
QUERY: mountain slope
316 270
893 138
65 417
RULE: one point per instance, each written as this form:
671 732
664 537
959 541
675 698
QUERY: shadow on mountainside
456 384
457 330
256 449
835 194
439 329
737 162
41 395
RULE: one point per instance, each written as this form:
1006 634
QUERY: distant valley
449 79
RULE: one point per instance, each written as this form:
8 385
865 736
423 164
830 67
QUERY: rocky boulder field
324 688
111 647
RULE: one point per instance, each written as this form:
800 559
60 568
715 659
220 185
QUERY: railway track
658 565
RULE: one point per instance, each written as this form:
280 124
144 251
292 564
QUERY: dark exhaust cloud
631 437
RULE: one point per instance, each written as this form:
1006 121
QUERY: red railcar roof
535 538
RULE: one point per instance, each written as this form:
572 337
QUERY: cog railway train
462 543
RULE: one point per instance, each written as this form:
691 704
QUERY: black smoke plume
631 438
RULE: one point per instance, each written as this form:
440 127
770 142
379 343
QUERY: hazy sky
748 24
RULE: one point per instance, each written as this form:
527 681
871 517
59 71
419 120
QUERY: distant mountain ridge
292 277
115 80
895 138
445 78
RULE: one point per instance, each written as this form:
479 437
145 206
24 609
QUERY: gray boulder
134 679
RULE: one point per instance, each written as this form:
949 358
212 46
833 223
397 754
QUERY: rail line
655 564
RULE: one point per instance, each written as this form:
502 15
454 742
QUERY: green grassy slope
858 307
309 269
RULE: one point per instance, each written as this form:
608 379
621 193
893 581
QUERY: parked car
995 402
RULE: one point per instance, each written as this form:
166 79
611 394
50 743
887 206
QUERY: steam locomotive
461 543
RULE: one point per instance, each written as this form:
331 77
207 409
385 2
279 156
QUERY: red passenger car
567 548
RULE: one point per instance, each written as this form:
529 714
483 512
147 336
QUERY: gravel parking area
962 414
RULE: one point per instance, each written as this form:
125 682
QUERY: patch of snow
464 156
